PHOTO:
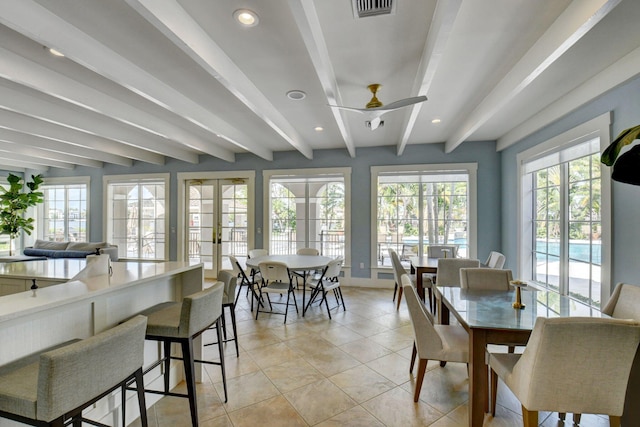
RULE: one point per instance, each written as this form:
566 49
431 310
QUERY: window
63 215
418 205
136 215
308 209
564 216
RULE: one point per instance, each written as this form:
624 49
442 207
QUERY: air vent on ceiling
365 8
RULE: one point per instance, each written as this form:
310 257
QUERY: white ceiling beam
28 145
440 30
574 23
26 72
90 122
104 150
306 17
40 24
7 153
178 26
19 165
617 73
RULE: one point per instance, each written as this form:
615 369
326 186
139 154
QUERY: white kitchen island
31 321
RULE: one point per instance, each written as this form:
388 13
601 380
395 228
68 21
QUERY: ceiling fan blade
402 103
358 110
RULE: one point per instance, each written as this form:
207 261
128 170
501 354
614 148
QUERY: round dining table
295 263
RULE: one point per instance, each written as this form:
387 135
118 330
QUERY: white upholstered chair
230 279
308 251
446 343
255 253
568 366
449 270
495 260
624 302
53 387
399 271
442 251
485 278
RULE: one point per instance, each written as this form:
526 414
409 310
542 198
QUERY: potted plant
625 167
14 202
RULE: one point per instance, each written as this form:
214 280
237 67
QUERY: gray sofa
71 249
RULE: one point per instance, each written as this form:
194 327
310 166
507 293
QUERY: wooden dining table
419 266
490 318
295 263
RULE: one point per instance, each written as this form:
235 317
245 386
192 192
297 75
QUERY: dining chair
567 366
624 302
53 387
255 253
449 270
277 280
442 251
446 343
495 260
395 276
251 281
308 251
329 280
399 270
229 279
486 278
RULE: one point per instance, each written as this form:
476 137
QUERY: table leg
419 284
477 377
443 310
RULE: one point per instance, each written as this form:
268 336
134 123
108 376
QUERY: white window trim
596 127
140 178
86 180
250 176
345 172
470 168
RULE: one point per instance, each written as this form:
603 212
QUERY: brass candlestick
518 303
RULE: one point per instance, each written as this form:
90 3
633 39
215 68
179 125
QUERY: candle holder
518 302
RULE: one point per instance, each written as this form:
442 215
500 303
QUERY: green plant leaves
626 137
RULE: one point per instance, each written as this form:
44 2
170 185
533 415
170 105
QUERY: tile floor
352 370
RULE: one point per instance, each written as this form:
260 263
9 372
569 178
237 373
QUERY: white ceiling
147 80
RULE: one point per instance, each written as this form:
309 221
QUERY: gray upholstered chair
181 323
495 260
446 343
567 366
449 270
442 251
399 270
624 302
485 278
230 279
277 280
329 280
52 388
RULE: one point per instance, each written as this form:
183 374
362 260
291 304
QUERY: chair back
568 365
334 268
274 271
230 279
308 251
69 376
486 279
201 310
428 342
255 253
495 260
235 265
442 251
398 268
624 303
449 270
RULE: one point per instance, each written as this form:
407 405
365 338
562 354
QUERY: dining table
419 266
490 318
295 263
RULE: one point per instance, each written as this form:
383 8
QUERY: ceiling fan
374 108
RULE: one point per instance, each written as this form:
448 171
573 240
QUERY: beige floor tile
362 383
392 367
354 417
247 390
366 328
273 412
273 354
443 388
365 350
396 408
331 361
292 375
340 335
319 401
396 339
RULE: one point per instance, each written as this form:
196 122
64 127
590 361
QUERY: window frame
470 169
138 179
76 180
597 127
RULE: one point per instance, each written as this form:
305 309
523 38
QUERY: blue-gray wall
624 101
489 178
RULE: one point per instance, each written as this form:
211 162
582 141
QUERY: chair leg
232 309
422 368
167 364
576 418
614 421
344 307
142 404
221 352
529 418
224 325
494 391
326 302
399 297
189 370
395 291
414 353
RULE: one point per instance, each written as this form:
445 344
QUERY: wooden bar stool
181 323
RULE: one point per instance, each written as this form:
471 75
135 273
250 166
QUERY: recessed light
54 52
296 95
436 121
246 17
319 128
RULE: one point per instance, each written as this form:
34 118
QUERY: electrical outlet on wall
362 265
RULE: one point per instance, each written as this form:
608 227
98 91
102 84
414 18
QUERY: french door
216 222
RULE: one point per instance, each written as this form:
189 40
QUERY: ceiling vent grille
366 8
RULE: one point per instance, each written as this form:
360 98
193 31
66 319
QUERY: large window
308 209
563 212
419 205
136 215
63 216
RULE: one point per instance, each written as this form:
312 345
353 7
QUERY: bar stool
53 387
181 323
229 279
